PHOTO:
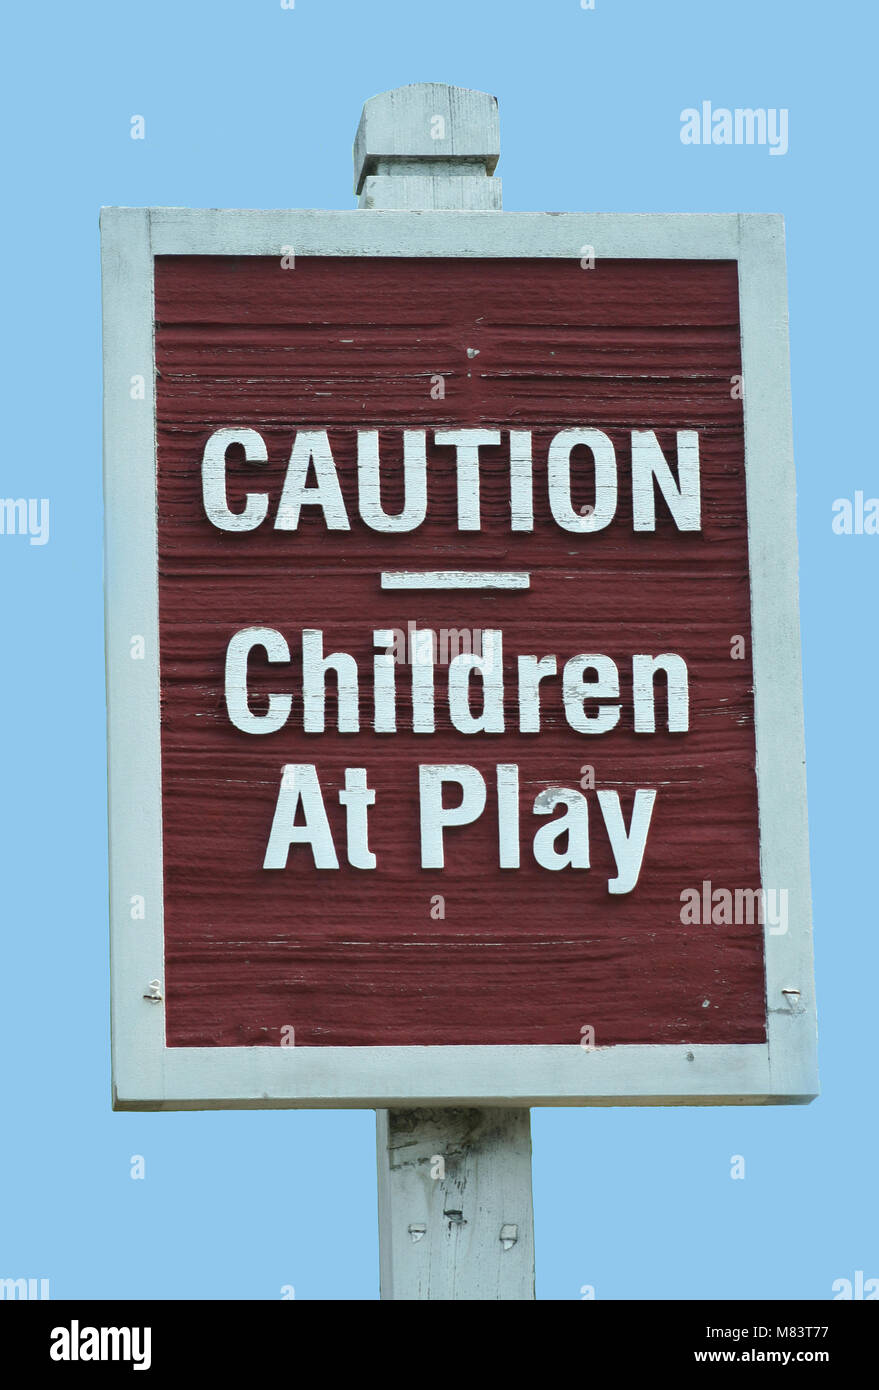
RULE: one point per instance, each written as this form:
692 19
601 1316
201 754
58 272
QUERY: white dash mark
455 579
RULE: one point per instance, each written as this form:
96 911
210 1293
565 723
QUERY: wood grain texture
349 957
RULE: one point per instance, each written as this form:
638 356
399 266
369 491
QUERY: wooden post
454 1204
428 146
455 1210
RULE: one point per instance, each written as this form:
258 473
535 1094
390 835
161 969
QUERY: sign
453 661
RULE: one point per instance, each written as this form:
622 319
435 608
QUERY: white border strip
147 1075
244 232
131 589
777 661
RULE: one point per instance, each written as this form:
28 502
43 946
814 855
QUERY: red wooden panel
352 957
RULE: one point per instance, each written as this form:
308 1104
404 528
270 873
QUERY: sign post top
428 145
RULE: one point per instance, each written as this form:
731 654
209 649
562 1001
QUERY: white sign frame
147 1075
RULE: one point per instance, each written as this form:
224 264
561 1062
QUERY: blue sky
250 105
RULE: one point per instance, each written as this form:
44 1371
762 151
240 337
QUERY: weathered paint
350 958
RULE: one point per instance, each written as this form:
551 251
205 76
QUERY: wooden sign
454 680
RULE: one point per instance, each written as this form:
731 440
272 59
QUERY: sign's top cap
427 121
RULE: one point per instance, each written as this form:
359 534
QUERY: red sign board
455 665
391 949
